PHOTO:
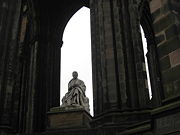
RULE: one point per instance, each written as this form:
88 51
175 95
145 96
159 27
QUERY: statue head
75 74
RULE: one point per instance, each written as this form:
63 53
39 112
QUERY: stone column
117 54
9 24
119 76
106 75
56 57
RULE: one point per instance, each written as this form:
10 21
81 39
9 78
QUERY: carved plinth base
68 117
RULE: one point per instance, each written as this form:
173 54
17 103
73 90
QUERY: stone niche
68 117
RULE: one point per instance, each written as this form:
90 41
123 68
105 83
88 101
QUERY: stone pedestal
68 117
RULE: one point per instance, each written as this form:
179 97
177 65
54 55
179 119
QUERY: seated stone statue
76 94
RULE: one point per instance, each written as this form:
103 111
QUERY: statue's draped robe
76 94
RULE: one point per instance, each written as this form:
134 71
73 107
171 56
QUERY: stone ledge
138 128
71 108
122 120
69 131
166 108
172 99
6 128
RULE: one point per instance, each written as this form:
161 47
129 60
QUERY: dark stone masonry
30 52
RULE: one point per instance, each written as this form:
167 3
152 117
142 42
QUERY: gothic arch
152 56
61 21
53 19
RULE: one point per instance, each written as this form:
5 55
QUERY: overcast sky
76 52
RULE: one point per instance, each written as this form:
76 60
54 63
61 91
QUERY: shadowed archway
53 16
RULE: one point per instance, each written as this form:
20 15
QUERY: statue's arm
82 86
70 87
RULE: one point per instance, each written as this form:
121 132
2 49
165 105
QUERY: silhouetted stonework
30 47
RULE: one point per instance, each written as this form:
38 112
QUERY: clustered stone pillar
9 24
104 57
55 95
117 55
19 82
53 64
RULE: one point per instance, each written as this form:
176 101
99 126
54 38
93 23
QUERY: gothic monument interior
30 53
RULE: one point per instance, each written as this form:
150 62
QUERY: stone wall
166 19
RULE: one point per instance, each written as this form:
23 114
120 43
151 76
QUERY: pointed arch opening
76 53
145 50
